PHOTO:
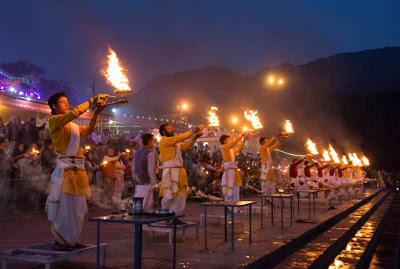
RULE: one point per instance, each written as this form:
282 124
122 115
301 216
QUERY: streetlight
182 108
273 81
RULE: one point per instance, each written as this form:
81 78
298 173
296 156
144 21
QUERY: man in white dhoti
174 183
310 180
145 171
321 176
267 177
69 186
231 180
297 183
332 176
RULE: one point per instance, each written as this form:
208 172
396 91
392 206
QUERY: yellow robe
226 156
167 152
74 181
264 155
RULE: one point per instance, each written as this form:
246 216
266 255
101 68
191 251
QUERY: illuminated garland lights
21 80
292 154
8 86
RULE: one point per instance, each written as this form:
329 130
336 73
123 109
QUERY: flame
355 160
344 160
251 115
87 147
312 147
213 120
365 161
105 162
115 74
35 151
326 155
334 155
127 150
288 127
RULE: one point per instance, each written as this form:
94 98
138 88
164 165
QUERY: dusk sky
161 37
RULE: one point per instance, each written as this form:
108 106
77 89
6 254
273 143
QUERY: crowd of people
27 160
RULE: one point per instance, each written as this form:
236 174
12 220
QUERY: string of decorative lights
21 79
292 154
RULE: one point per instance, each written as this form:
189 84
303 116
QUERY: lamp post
275 81
181 109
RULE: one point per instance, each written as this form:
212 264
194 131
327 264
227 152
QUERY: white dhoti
172 200
67 226
66 211
331 181
268 187
322 182
294 181
146 191
230 191
301 186
177 204
311 183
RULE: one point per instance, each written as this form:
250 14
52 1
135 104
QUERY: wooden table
313 192
138 221
226 205
280 196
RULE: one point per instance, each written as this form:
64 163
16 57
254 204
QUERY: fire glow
334 155
115 74
326 155
213 120
365 161
312 148
344 160
251 115
288 127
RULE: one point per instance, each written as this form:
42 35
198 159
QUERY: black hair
2 139
262 139
306 162
146 138
48 142
294 160
223 138
54 99
163 129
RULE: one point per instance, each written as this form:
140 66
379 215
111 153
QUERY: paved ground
30 229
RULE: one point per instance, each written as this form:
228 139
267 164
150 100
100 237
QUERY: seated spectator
48 157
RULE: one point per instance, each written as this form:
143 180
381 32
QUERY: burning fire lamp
281 190
326 156
104 163
115 75
288 128
213 121
87 148
365 161
251 115
128 151
344 160
35 152
333 154
355 160
311 147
